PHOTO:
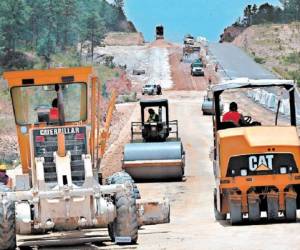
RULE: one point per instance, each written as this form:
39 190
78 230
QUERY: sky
206 18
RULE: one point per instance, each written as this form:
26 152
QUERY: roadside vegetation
271 35
259 60
40 34
263 14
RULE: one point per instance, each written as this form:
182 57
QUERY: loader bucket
154 161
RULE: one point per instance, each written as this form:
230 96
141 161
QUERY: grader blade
153 212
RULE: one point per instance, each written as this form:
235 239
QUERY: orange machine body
257 167
256 141
59 76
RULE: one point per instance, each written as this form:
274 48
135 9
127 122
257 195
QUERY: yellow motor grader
59 121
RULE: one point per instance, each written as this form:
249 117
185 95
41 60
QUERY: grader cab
256 163
61 138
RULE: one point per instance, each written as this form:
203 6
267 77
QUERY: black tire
236 216
126 223
272 208
290 209
218 215
7 223
121 178
253 212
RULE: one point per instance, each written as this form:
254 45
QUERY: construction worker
153 117
233 115
216 67
3 176
158 90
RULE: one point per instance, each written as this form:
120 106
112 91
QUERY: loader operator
153 117
233 115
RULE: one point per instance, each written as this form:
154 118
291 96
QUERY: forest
33 32
267 13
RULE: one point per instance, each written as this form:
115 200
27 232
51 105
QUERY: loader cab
276 96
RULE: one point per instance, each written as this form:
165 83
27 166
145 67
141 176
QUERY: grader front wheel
124 229
7 223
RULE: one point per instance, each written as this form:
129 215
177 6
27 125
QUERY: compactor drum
58 118
155 151
256 166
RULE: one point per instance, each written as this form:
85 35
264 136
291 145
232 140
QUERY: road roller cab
155 151
256 166
155 121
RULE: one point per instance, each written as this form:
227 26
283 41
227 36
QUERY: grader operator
256 165
58 121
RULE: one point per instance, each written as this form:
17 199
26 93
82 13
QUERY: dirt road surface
192 223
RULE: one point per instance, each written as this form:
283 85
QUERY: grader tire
124 229
290 209
236 216
218 215
121 178
7 223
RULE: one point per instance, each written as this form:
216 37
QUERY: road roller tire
272 208
290 209
236 216
218 215
124 229
121 178
253 211
7 223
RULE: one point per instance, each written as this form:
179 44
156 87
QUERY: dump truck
159 32
59 121
188 39
155 151
256 164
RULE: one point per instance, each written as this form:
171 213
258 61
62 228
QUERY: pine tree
95 30
13 17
